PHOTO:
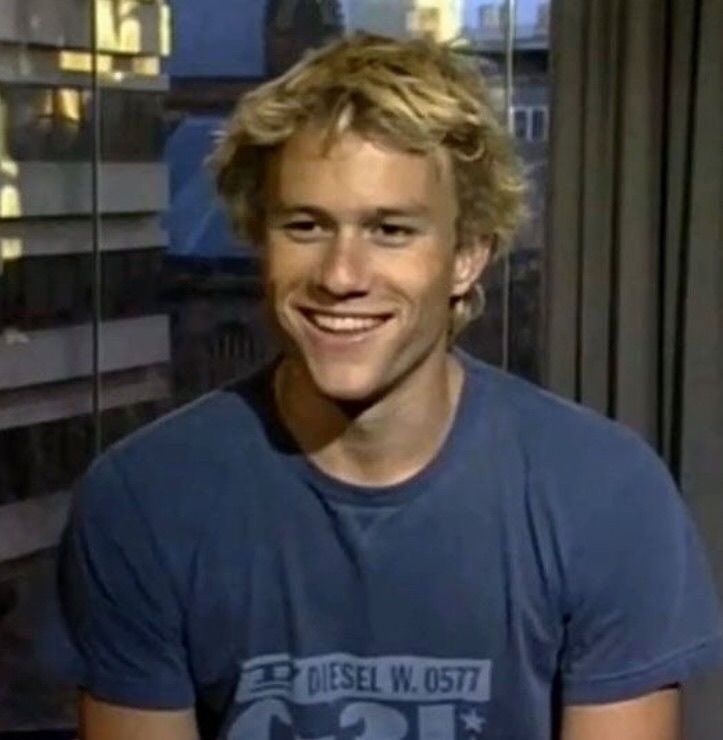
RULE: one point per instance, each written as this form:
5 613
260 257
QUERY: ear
470 261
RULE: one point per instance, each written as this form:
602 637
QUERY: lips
344 323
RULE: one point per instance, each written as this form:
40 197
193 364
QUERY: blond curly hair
414 95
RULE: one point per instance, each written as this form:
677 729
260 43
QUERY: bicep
655 716
122 610
640 605
99 720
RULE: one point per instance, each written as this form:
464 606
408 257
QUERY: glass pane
539 124
185 298
204 324
181 302
378 16
46 425
134 323
531 90
520 117
477 32
508 332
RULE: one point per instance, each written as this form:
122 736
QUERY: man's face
360 261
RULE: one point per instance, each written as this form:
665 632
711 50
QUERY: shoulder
198 437
170 473
570 442
587 473
604 491
608 523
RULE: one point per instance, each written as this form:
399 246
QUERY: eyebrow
406 211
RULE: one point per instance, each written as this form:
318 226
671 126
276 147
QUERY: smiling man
376 536
361 266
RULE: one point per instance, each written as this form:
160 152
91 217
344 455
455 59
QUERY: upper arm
99 720
656 716
121 609
641 607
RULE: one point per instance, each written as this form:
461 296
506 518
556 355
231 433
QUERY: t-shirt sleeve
119 606
643 612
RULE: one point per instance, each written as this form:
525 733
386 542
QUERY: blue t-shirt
542 558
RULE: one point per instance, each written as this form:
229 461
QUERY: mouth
344 325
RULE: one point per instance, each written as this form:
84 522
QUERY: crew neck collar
355 494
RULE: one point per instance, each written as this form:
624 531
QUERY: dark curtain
633 295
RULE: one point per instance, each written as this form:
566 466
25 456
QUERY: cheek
430 280
283 268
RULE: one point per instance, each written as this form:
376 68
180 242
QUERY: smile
343 323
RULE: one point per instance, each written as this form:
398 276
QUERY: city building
47 198
437 19
180 297
440 20
46 203
387 17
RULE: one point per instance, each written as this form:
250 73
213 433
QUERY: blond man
376 536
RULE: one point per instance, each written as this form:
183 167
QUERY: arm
123 617
640 605
99 720
656 716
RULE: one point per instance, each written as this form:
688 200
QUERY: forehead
357 173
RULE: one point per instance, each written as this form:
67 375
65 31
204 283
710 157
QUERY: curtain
633 287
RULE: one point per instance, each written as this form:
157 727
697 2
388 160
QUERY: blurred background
123 293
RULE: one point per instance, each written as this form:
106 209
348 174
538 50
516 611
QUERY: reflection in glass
54 124
47 427
519 118
293 26
478 31
539 124
182 308
518 286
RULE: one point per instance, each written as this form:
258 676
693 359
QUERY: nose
344 266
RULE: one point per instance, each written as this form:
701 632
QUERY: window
507 333
177 296
530 123
539 124
521 119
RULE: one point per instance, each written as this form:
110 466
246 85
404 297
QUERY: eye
303 229
394 234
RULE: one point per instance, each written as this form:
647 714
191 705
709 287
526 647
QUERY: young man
378 537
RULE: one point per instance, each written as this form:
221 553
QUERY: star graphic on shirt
472 721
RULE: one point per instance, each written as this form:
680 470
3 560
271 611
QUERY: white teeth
344 323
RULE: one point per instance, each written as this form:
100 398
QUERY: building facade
180 300
47 198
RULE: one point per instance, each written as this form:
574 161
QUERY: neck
386 442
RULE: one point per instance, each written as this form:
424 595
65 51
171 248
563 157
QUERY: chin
346 385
